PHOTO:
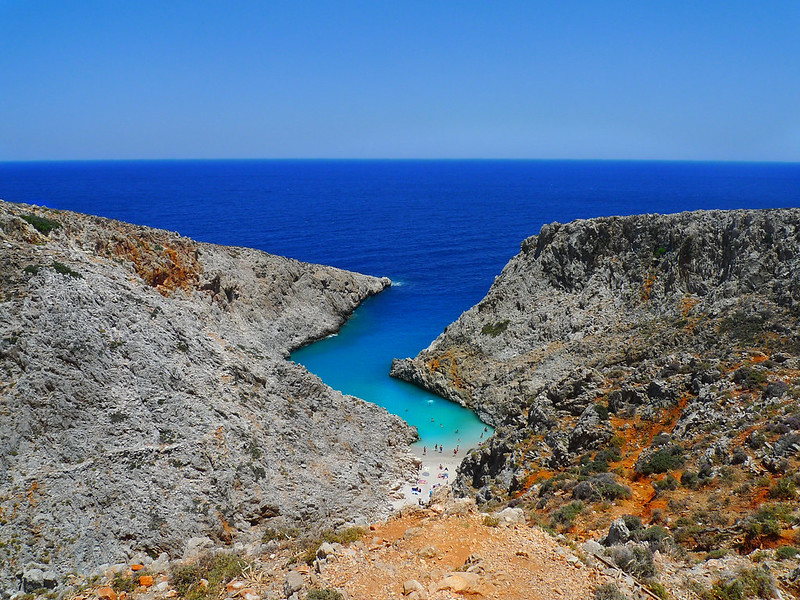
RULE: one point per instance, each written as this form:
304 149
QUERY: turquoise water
356 361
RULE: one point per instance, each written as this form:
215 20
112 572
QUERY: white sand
441 468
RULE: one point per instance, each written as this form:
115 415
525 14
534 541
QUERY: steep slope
145 398
658 347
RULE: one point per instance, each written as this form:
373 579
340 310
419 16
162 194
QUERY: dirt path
511 562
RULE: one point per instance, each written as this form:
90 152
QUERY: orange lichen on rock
161 266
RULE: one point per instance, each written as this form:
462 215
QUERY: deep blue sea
441 230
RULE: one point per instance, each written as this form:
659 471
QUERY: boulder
618 533
511 516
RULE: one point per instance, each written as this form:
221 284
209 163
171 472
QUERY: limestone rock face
641 317
146 399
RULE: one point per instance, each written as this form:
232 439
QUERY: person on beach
424 449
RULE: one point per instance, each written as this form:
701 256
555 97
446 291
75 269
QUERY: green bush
65 270
632 522
184 577
690 479
750 583
785 489
566 515
767 522
608 591
216 569
666 484
42 224
634 560
656 537
32 269
786 552
123 583
658 589
495 329
661 461
346 536
750 378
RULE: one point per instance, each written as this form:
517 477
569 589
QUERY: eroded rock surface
609 332
146 399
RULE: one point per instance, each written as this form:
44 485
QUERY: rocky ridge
646 366
147 403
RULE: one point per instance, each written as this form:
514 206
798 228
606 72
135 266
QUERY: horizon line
390 159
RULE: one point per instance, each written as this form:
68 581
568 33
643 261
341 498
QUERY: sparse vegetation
565 516
608 591
65 270
494 329
662 460
749 583
42 224
324 594
217 569
491 521
786 553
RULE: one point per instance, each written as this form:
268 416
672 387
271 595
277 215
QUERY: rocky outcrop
604 333
146 398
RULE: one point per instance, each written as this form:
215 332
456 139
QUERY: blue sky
335 79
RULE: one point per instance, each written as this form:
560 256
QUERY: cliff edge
147 399
646 366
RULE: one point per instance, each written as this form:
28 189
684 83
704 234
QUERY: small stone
428 552
592 547
146 580
249 594
106 593
325 550
293 583
162 587
411 586
137 567
171 594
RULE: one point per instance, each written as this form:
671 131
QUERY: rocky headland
643 374
147 406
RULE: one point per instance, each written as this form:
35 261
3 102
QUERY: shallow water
356 361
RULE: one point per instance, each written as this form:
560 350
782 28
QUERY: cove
356 361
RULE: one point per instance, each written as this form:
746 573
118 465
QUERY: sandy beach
436 469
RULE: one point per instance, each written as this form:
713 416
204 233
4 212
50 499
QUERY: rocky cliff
146 399
650 361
